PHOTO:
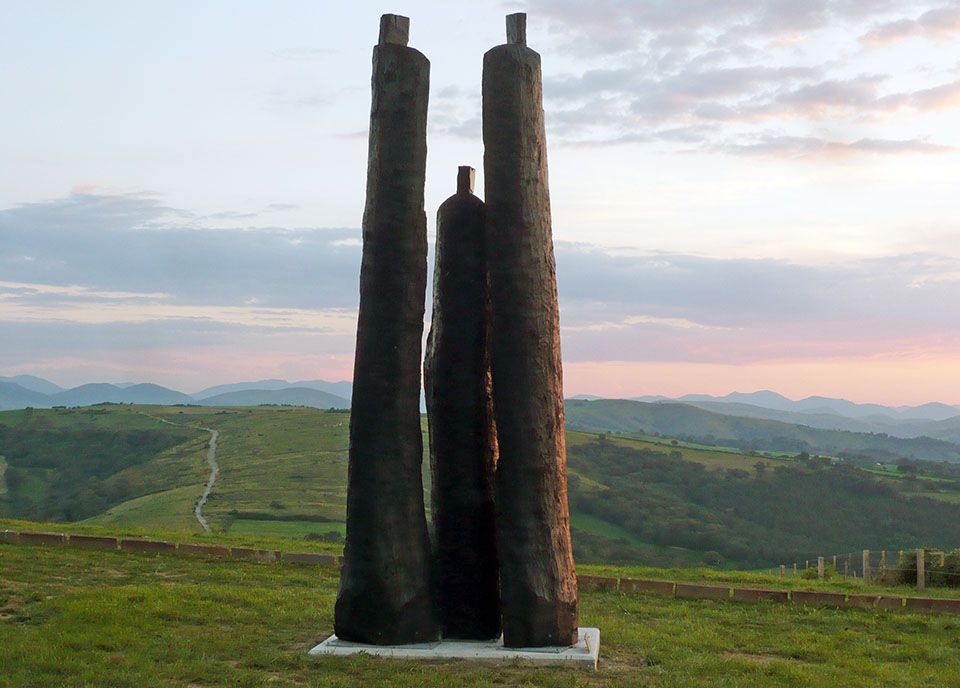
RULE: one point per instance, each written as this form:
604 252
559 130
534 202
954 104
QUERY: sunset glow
745 195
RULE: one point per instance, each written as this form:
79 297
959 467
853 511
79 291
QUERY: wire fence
920 567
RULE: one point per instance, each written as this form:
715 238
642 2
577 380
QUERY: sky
746 195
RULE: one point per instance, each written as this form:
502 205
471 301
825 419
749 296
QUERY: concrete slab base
582 655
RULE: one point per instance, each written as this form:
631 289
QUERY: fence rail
921 567
624 586
144 546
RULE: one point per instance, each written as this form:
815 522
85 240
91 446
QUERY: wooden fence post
783 570
921 572
866 566
883 563
821 568
794 569
834 562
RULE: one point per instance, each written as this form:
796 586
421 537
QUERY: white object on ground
583 655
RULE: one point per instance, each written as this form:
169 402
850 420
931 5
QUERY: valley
636 499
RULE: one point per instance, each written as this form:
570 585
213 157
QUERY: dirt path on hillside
211 461
214 472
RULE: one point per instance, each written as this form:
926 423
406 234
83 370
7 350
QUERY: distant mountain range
750 410
687 421
25 390
344 390
818 405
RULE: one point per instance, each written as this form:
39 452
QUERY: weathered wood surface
538 583
463 440
385 595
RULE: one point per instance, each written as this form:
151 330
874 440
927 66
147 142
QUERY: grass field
711 457
234 539
286 529
282 462
283 476
76 618
167 510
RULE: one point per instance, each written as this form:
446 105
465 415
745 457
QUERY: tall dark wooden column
538 583
385 595
463 439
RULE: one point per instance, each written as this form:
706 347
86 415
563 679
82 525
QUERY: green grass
274 460
892 472
765 579
77 618
592 524
285 529
170 510
291 464
709 456
255 540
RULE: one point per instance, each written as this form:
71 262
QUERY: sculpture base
582 655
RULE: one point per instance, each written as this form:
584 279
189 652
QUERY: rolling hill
689 422
87 395
283 473
339 389
817 405
15 396
825 421
291 396
33 383
27 391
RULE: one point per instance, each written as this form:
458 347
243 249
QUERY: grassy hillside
790 512
283 470
711 457
72 464
78 618
652 501
688 422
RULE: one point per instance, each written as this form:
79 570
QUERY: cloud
101 289
939 24
683 308
231 215
10 290
616 25
809 147
643 71
857 98
133 243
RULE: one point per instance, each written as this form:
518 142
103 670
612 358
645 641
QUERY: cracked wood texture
537 580
463 440
385 595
